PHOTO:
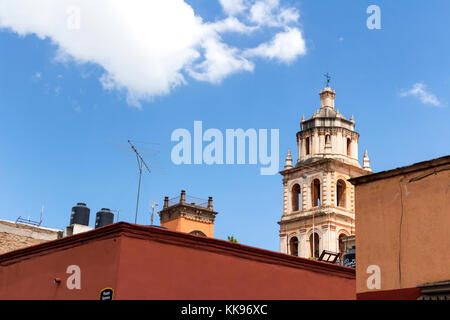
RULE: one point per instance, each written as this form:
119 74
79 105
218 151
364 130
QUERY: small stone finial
366 162
303 118
210 203
288 164
352 119
183 197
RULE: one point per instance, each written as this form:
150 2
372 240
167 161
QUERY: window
341 194
314 245
296 198
342 244
349 147
315 193
307 145
293 246
197 233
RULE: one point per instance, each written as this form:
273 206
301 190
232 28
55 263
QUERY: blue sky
63 134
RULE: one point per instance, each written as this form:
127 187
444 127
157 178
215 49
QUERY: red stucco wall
149 263
32 276
163 271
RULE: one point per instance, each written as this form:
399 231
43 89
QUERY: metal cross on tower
328 78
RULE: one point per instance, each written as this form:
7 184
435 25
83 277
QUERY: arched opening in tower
341 194
349 147
197 233
315 192
296 198
293 246
314 243
307 143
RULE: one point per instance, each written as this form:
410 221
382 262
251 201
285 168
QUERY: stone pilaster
283 244
285 198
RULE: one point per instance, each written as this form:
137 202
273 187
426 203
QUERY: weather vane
328 78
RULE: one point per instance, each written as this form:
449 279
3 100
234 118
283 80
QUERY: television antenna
141 164
42 214
31 222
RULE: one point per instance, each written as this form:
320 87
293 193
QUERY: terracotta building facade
318 200
402 241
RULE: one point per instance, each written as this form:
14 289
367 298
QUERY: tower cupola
327 134
327 97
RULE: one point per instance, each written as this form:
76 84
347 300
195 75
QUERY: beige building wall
15 236
403 225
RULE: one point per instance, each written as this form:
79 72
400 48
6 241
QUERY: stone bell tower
318 202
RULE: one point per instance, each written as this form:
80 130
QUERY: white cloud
220 61
269 13
232 24
233 7
287 16
419 90
147 48
261 11
285 47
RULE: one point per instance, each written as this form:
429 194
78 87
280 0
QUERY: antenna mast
42 214
141 163
153 212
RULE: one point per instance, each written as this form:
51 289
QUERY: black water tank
103 218
350 258
80 214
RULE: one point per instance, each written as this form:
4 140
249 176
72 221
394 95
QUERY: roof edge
179 238
301 166
401 170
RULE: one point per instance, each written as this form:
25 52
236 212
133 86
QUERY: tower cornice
330 165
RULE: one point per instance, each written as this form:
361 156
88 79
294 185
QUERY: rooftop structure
188 214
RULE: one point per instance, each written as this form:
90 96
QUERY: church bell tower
318 201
